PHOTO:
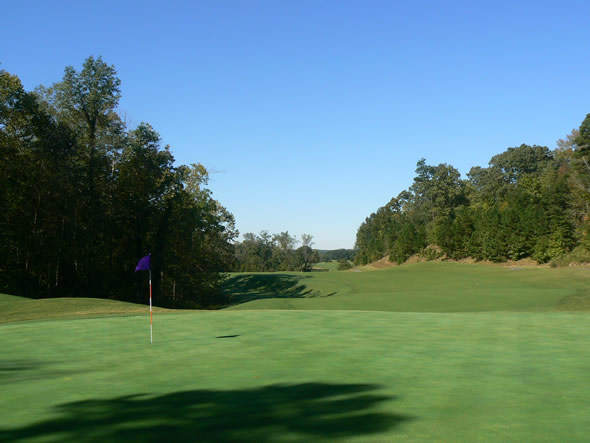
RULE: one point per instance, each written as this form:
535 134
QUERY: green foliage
336 254
516 163
582 141
344 265
405 243
529 202
432 253
578 255
277 252
263 376
82 198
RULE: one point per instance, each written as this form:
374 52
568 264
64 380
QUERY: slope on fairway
13 308
5 298
422 287
273 376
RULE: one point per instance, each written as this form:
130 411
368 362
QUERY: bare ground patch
384 263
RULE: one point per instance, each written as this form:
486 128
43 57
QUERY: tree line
83 197
336 254
276 252
530 202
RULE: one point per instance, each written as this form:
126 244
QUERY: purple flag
144 264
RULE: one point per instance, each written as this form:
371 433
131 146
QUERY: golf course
420 352
294 222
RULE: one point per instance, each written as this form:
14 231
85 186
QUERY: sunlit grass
423 287
297 375
338 364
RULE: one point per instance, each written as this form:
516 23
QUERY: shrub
344 265
577 255
432 253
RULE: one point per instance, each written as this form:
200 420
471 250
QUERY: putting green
345 368
271 376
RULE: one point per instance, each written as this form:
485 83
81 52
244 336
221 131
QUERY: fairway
422 287
329 372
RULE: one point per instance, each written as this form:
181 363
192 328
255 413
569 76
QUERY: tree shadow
270 413
14 371
247 287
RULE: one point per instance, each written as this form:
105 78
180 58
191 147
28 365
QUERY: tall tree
81 198
306 251
521 205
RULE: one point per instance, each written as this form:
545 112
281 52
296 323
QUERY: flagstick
150 306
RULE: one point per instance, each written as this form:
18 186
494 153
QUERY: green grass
20 309
327 265
5 298
293 376
327 373
423 287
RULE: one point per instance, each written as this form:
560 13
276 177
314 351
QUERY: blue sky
312 114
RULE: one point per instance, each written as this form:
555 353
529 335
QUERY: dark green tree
82 199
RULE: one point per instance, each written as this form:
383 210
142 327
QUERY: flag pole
150 306
145 264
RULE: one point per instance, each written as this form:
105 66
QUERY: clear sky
312 114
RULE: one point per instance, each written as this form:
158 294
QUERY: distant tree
283 253
515 163
344 265
307 243
582 140
274 253
575 152
404 244
198 245
336 254
529 202
569 142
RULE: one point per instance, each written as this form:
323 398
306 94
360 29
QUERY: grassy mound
14 308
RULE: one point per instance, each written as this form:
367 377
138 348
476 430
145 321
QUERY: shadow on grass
580 301
13 371
248 287
271 413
